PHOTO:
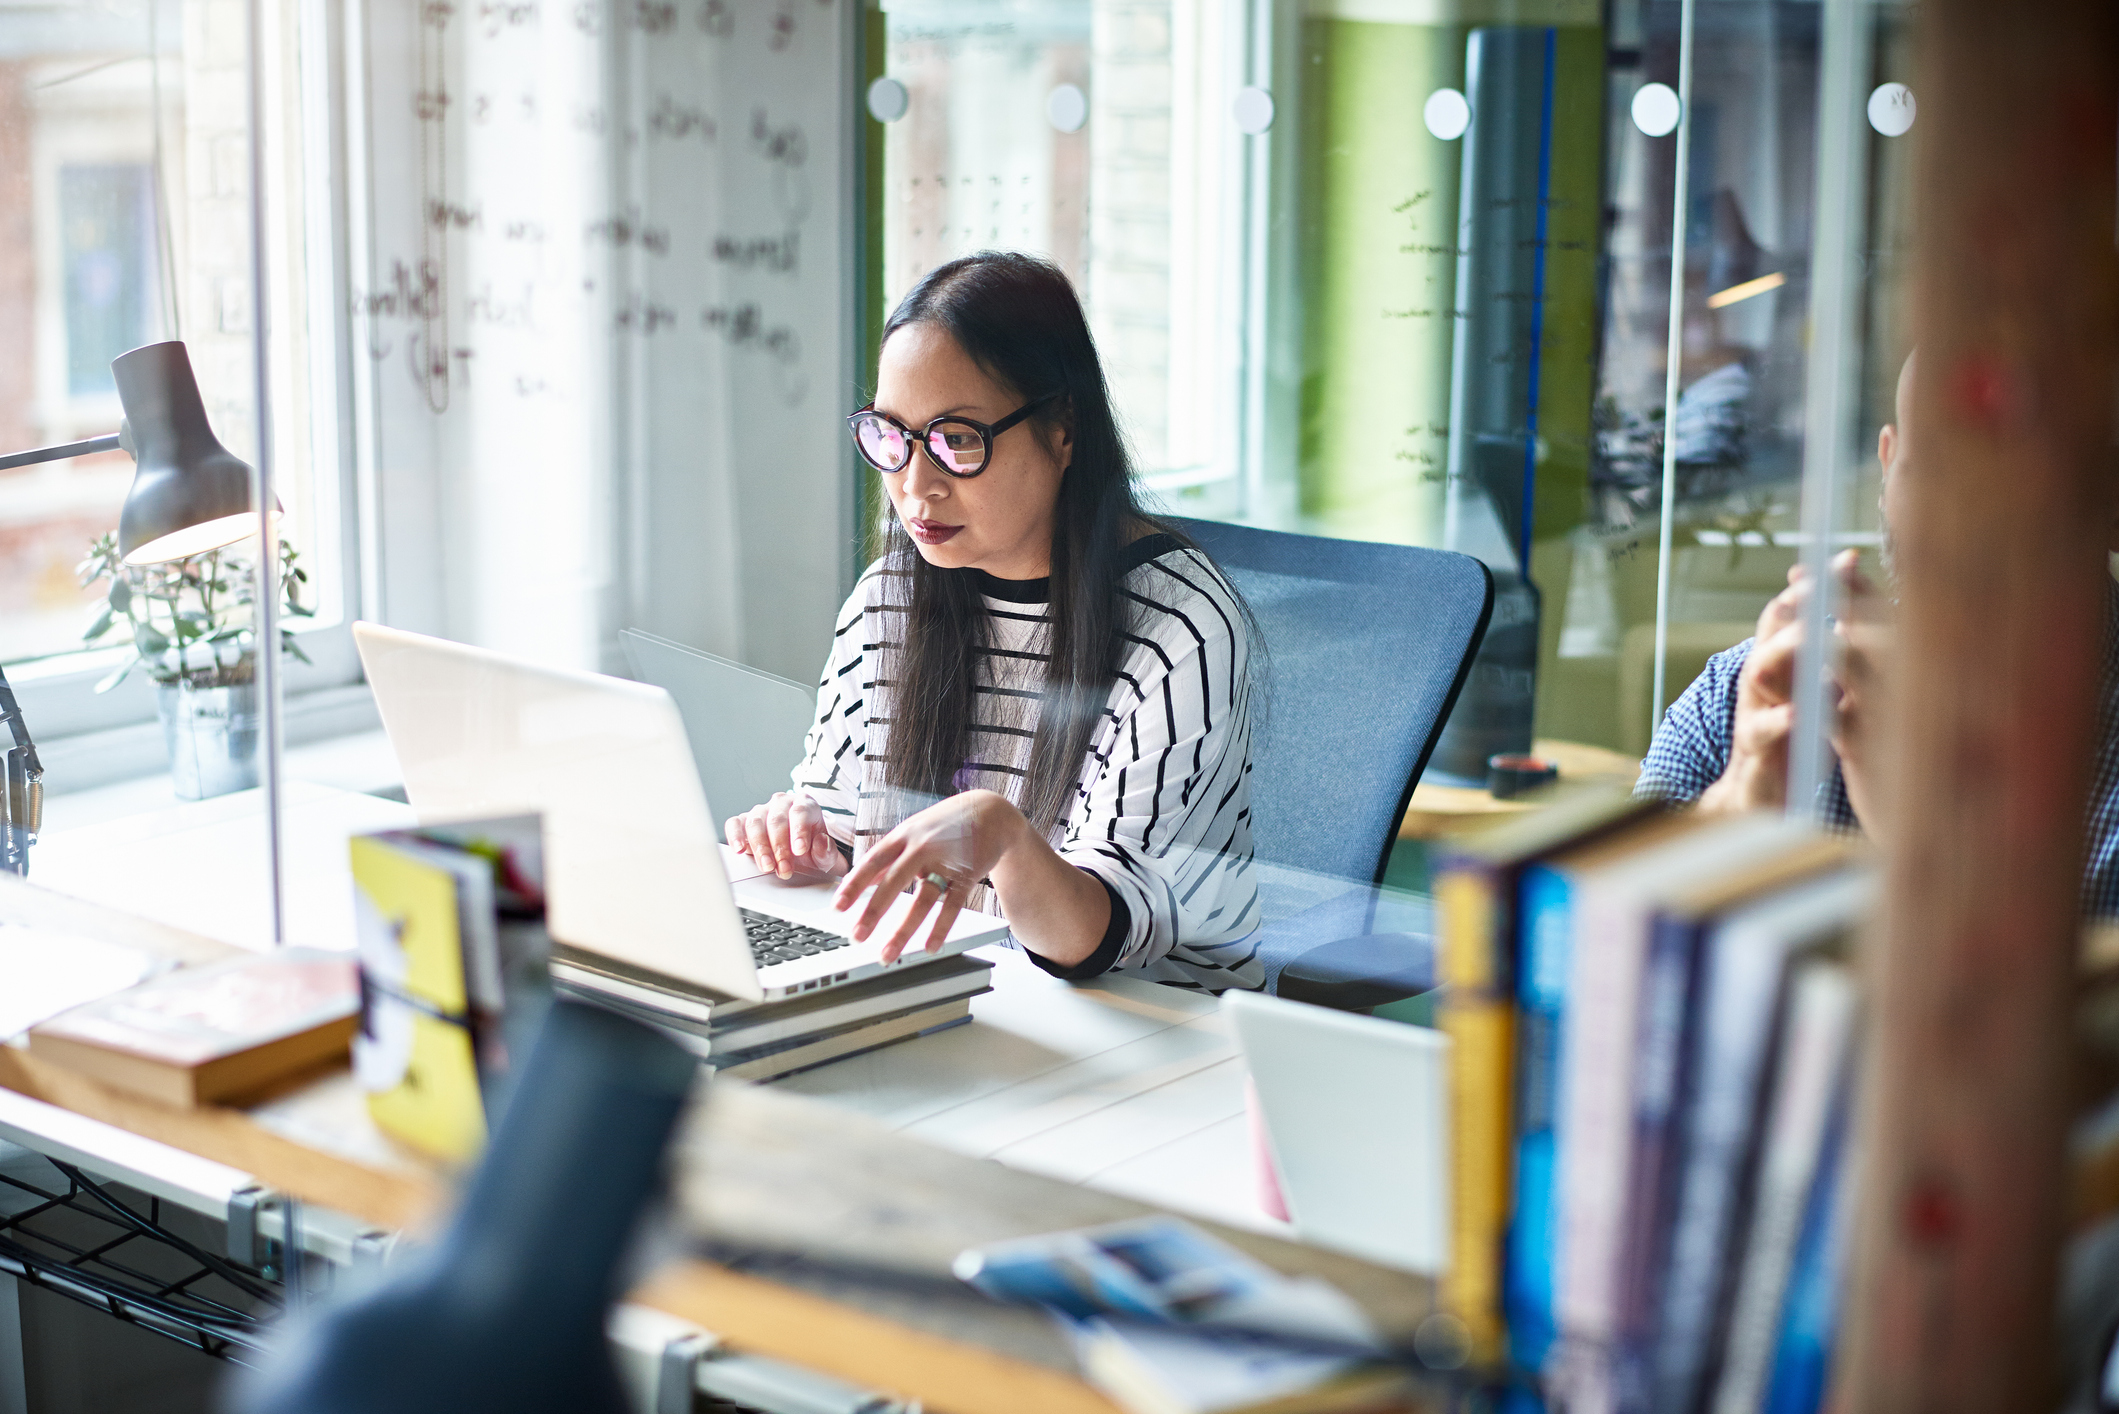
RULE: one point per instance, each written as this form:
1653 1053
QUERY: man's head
1894 448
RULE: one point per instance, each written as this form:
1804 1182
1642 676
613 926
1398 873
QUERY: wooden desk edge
748 1312
390 1200
767 1318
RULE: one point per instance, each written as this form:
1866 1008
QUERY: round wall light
888 100
1447 114
1253 110
1892 109
1656 110
1067 108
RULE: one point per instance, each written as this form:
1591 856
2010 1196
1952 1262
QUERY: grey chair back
1368 646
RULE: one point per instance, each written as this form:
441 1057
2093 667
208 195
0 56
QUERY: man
1724 744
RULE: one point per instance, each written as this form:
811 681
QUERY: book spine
1596 1136
1476 1011
1667 1001
1545 908
1802 1357
1821 1008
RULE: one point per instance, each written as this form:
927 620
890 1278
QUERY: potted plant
190 624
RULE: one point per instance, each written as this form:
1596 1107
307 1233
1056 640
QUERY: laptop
747 727
1357 1111
640 892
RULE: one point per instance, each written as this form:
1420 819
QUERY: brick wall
18 267
1129 213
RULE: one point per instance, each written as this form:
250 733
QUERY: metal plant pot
212 734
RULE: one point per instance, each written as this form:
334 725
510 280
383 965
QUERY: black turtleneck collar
1038 591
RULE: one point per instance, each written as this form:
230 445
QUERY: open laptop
1357 1111
747 727
639 888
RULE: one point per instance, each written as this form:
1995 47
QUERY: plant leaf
118 676
100 627
120 596
149 640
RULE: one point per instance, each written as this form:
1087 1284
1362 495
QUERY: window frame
100 737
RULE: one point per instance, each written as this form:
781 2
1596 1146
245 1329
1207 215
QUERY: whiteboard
603 301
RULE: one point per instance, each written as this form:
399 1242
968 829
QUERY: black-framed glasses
958 445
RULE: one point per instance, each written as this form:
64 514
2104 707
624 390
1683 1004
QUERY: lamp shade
190 494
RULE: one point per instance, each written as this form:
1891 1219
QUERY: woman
1036 704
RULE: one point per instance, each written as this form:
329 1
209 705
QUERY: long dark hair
1018 319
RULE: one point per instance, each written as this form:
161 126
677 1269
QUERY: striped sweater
1161 812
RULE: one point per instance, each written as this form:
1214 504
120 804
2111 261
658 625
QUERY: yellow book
415 1053
1475 924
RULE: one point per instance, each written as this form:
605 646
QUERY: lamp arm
21 787
61 452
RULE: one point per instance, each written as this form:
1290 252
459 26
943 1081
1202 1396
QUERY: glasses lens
960 447
883 445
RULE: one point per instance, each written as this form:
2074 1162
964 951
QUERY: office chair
507 1311
1368 647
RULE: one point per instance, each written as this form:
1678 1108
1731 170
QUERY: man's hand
1757 773
1862 675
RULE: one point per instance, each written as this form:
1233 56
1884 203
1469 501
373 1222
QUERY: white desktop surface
1120 1084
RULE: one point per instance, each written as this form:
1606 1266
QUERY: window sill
135 754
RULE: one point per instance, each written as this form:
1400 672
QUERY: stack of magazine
747 1040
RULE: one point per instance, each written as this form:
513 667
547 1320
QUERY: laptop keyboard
775 940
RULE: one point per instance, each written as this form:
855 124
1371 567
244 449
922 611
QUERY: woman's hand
962 838
786 834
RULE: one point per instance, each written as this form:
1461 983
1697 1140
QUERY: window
125 220
1098 133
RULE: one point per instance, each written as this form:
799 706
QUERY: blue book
1741 963
1802 1356
1545 911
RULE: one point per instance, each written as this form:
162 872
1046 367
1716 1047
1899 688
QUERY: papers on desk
49 972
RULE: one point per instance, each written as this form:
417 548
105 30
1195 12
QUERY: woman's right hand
786 835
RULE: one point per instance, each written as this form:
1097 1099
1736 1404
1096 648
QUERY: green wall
1378 260
1378 256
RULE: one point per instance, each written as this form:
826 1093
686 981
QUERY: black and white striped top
1161 813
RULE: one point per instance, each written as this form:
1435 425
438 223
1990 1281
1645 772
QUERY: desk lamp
190 495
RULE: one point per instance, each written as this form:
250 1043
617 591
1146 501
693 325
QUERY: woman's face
999 521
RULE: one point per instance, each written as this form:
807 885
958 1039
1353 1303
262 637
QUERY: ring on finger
939 880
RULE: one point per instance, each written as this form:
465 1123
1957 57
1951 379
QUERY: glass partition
1474 208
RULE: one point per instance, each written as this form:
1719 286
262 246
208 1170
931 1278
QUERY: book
595 975
739 1027
1802 1355
1613 907
1818 1026
1545 912
1669 1013
1475 913
1742 962
417 1054
769 1062
448 925
215 1034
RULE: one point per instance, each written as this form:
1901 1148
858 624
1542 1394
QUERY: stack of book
746 1040
1655 1022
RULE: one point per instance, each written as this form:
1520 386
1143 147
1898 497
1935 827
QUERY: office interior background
565 302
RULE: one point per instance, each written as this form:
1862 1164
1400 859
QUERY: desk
1129 1088
1437 809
